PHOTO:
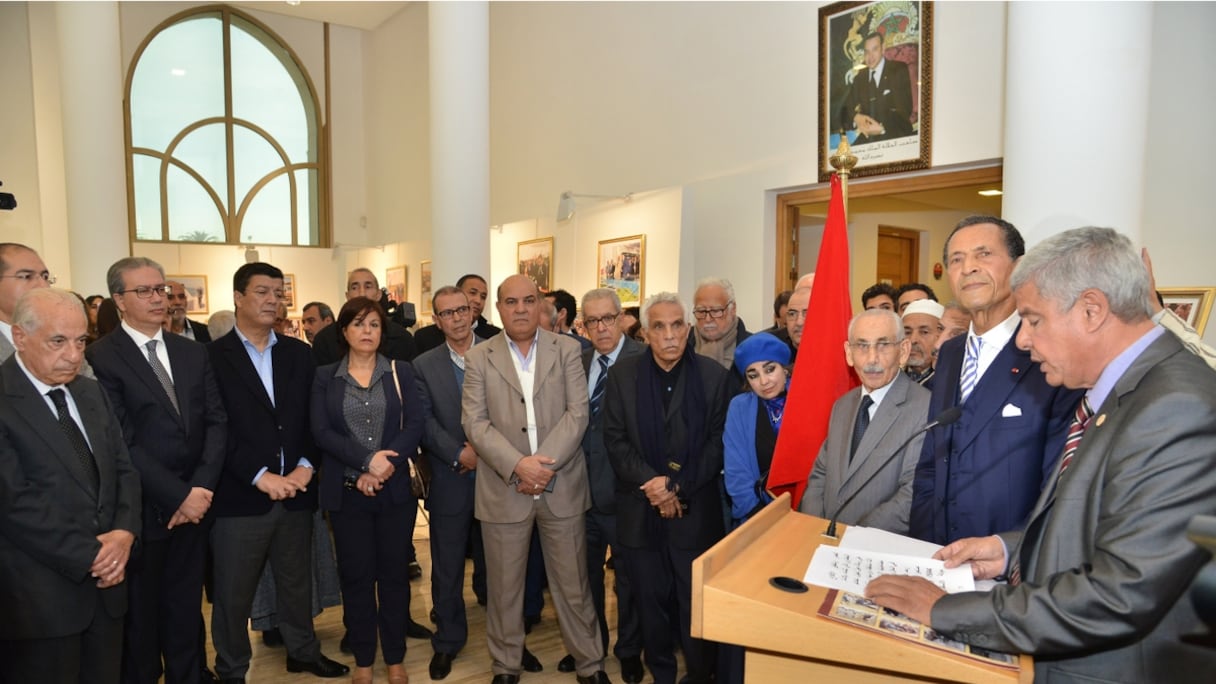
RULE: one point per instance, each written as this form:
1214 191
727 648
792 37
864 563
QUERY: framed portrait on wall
1191 304
621 265
197 302
295 328
424 275
535 259
876 85
289 291
395 283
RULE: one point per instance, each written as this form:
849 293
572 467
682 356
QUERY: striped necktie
971 367
162 374
601 381
1075 430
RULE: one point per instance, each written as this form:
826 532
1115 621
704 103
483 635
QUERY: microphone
946 417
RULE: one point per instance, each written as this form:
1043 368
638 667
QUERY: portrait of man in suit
1099 574
866 426
69 503
879 103
165 397
524 411
664 414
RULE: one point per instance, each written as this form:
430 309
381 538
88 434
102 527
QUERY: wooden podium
785 638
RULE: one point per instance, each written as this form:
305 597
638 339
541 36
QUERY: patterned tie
597 393
1075 430
971 367
860 425
72 431
161 374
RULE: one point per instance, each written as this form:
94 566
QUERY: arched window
223 135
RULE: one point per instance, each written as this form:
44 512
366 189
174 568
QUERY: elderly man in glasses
718 328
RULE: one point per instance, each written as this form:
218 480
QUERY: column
91 89
1076 116
459 52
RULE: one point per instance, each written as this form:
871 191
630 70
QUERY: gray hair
1065 265
222 322
26 312
661 298
891 316
602 293
443 292
719 282
120 267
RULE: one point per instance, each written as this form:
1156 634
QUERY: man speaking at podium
1097 579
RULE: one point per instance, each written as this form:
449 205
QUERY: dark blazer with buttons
451 492
403 426
172 451
49 515
257 429
201 333
599 468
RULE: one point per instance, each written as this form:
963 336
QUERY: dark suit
601 525
1105 559
173 453
451 501
201 333
890 104
982 474
249 526
666 561
396 343
57 623
370 533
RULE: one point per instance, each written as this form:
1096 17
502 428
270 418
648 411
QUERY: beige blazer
495 421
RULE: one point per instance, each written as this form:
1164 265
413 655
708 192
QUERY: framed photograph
424 270
876 85
197 301
535 259
621 265
295 328
1191 304
289 291
395 283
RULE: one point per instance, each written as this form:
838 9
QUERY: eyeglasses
448 314
606 321
27 276
146 292
883 346
717 312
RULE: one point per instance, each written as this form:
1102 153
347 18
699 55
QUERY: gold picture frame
620 264
396 281
1191 304
427 291
197 300
535 260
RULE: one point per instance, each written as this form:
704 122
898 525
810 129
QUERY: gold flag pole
843 161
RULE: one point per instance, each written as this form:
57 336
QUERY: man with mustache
922 325
175 314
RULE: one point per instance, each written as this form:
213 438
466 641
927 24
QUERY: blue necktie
971 368
597 393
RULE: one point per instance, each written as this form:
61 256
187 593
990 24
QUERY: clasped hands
531 474
193 507
868 125
915 596
665 501
110 564
280 487
379 470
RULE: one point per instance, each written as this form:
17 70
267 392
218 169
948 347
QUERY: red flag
821 374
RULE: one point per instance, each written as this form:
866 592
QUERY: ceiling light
990 193
177 72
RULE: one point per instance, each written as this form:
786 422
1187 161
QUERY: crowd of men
1081 444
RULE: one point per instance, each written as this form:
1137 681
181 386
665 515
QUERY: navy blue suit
982 475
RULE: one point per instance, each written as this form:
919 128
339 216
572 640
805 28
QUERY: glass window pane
253 158
192 213
268 89
179 80
147 196
205 150
307 192
267 221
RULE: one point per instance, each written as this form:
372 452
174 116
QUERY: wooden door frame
788 204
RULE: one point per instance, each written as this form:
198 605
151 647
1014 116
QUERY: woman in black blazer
367 419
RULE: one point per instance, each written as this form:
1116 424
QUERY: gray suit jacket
886 501
599 469
495 420
1107 565
451 493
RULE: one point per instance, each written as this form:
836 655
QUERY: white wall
19 153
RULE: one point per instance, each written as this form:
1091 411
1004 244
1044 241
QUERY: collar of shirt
593 373
456 357
263 361
994 340
343 371
1118 366
525 362
877 395
42 388
141 340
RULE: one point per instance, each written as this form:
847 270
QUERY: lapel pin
1101 419
1015 370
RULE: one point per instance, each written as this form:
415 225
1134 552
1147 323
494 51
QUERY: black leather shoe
344 645
414 630
441 665
530 663
597 678
505 679
321 667
415 570
631 669
566 664
272 638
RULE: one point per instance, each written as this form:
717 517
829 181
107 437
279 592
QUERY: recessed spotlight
990 193
177 72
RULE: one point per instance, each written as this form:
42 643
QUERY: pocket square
1010 411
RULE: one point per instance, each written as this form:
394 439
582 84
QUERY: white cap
925 306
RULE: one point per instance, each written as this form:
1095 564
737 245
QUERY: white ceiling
356 13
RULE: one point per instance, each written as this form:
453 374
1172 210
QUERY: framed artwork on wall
289 291
424 271
535 258
196 293
395 283
876 85
295 328
1191 304
621 265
